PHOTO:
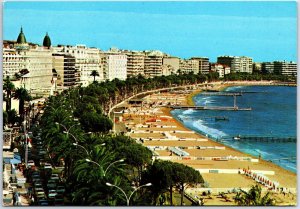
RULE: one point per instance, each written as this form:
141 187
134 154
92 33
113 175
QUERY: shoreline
286 178
222 87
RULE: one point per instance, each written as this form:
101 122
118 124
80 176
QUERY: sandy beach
221 166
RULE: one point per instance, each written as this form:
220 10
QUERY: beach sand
284 177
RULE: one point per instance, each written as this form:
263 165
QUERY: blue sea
273 114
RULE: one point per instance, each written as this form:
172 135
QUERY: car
38 185
42 162
52 193
40 194
60 189
48 165
51 184
31 163
43 202
54 176
59 200
36 190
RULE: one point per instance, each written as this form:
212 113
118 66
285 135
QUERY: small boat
237 137
218 118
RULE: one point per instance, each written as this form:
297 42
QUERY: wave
211 132
188 112
233 88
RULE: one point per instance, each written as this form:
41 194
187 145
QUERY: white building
86 61
237 64
170 65
188 66
135 63
153 63
221 69
32 63
38 62
114 65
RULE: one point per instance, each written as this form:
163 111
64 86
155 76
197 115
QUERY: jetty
222 94
225 108
266 138
291 159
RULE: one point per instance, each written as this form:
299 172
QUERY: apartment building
221 69
64 67
188 66
267 67
285 68
237 64
135 63
203 64
153 64
113 65
170 65
86 61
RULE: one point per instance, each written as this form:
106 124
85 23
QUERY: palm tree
94 73
254 197
8 87
23 95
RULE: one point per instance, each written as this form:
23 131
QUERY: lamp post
67 130
127 198
88 153
26 143
117 161
78 145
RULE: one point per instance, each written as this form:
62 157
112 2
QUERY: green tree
5 118
93 122
22 95
164 175
94 74
254 197
8 87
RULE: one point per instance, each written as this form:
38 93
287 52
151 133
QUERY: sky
263 30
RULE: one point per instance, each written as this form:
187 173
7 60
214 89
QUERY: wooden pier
266 139
234 108
222 94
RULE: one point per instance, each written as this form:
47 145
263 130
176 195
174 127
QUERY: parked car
59 200
51 184
60 189
40 194
31 163
52 193
54 176
48 165
43 202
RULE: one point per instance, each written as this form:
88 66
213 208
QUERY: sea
273 114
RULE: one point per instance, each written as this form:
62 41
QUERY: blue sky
266 31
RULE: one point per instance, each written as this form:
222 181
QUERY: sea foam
215 133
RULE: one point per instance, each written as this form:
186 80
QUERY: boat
218 118
237 137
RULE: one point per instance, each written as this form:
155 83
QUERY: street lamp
78 145
67 130
127 198
117 161
88 153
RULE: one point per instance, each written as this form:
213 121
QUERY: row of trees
10 92
75 127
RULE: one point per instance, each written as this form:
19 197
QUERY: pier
222 94
291 159
266 139
234 108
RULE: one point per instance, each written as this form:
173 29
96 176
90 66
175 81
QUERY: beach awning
15 161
